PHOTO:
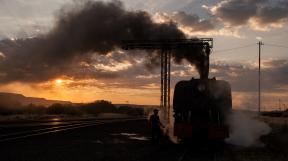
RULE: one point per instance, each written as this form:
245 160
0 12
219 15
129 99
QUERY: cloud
81 30
273 13
235 12
85 29
2 56
258 14
192 25
20 18
244 78
193 21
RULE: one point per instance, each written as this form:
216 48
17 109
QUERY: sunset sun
58 81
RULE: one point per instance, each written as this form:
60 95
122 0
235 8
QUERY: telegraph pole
260 43
279 106
169 82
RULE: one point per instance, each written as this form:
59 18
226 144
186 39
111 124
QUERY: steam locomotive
200 105
200 109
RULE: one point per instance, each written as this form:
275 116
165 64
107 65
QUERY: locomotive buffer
166 48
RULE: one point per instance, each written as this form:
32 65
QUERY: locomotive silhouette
200 109
201 106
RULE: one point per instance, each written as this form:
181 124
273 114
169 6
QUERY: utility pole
169 82
259 76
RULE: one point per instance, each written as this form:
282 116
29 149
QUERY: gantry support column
165 82
169 73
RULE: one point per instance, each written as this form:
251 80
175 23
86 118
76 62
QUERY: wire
275 45
235 48
245 46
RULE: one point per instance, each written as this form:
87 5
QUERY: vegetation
100 106
131 111
60 109
94 108
276 113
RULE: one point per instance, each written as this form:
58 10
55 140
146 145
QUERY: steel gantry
165 48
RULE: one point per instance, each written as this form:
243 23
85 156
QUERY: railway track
182 156
70 125
185 157
198 155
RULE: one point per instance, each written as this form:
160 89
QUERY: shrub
57 109
99 106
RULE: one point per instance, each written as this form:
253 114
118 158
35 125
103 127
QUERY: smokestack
204 64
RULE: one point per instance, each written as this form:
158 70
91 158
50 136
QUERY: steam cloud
246 130
80 31
169 125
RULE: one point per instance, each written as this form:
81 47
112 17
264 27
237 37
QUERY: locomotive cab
200 109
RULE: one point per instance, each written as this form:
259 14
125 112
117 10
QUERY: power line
275 45
235 48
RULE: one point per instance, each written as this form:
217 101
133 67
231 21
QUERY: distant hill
19 99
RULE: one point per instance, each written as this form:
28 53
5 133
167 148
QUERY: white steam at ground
246 130
169 125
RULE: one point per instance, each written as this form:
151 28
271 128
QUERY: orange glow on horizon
90 90
66 90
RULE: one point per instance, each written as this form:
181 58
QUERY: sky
69 49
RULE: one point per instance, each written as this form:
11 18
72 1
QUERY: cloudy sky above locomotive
235 25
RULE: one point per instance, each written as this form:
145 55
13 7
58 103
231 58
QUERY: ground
129 141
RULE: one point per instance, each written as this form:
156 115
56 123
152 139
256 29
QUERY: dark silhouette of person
155 124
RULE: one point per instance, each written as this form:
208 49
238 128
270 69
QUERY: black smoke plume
84 29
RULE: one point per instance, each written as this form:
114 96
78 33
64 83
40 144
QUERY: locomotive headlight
201 87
